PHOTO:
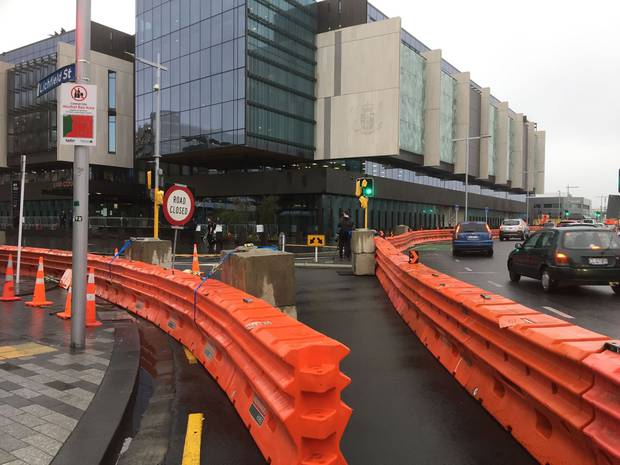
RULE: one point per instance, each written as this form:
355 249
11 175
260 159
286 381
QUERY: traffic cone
38 299
91 310
8 293
67 313
195 262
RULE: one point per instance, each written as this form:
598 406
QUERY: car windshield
511 223
592 240
472 227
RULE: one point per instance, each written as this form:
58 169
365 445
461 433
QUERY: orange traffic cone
67 313
8 293
38 299
91 310
195 262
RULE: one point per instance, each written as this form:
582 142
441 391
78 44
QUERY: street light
527 193
157 88
468 139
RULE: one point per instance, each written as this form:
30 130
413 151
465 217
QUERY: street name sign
58 77
78 114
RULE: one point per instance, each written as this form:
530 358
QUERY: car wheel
548 283
616 288
501 238
490 253
455 253
514 276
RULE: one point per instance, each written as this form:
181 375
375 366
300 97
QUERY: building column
539 178
485 130
461 122
432 108
501 144
516 155
4 137
531 155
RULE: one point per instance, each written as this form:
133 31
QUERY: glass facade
202 44
447 118
240 72
38 49
281 75
412 81
32 120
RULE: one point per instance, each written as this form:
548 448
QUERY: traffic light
365 187
363 202
160 197
598 215
148 179
566 213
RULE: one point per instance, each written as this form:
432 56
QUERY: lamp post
157 88
527 193
468 139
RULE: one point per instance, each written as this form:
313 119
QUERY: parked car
570 255
472 236
513 228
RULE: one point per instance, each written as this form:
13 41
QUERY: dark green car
568 256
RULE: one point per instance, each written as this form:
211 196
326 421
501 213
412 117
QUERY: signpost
58 77
179 207
486 214
316 241
78 114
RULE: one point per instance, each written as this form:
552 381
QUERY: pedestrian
345 229
211 226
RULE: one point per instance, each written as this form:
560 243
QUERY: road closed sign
179 205
78 114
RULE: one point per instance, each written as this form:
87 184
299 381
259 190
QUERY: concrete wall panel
539 175
501 140
485 102
462 122
432 109
516 155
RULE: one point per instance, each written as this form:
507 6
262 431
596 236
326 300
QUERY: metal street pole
467 140
20 227
157 88
80 187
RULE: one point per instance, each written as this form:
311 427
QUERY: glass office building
239 79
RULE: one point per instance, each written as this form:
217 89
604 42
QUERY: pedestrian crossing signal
365 187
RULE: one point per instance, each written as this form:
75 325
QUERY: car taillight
561 258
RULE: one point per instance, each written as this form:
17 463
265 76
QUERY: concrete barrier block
149 250
363 241
264 273
401 229
363 264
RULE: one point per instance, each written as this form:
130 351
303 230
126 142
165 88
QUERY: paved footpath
44 387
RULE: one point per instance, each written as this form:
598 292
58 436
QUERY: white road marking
477 272
457 260
557 312
495 284
468 268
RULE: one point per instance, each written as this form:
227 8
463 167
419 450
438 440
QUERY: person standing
345 229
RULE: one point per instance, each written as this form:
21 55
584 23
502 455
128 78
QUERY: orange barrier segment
282 377
540 377
38 298
8 291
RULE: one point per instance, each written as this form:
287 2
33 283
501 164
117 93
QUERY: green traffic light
368 191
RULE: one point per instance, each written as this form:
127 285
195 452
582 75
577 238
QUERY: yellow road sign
316 240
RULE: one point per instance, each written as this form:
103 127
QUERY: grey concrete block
33 456
363 241
363 264
148 250
266 274
401 229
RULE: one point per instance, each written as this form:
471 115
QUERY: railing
282 377
553 385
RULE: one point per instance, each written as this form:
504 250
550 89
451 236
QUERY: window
111 133
111 111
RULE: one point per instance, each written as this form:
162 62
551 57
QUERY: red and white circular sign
178 205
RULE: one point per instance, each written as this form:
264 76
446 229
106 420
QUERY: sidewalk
44 387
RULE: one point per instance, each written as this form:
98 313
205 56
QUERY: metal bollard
282 241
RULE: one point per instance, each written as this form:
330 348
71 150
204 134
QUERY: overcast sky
557 62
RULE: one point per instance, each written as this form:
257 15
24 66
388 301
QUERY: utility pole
467 140
20 226
80 187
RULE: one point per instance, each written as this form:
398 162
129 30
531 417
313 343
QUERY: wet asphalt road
407 409
594 307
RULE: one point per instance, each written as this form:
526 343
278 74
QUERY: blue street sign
60 76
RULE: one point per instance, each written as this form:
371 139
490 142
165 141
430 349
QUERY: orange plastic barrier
548 382
283 377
